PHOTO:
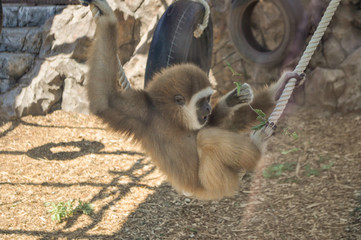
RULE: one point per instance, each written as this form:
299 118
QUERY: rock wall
43 51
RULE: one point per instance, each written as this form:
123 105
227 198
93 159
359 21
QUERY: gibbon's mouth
203 119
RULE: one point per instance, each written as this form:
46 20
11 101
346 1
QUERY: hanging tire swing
174 42
1 15
240 26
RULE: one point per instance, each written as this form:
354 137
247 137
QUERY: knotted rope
304 61
200 28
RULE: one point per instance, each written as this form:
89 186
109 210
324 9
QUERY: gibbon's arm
103 62
124 110
233 113
264 99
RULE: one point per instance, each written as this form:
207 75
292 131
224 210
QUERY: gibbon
200 150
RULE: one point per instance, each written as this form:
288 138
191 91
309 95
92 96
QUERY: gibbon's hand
98 8
245 96
300 78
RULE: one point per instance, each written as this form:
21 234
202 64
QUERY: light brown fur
203 162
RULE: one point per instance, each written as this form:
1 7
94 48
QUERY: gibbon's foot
259 137
270 129
288 76
245 96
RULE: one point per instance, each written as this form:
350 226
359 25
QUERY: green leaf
326 166
295 135
238 86
259 126
260 113
290 151
234 73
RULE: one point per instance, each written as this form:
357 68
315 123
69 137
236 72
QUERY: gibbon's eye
179 99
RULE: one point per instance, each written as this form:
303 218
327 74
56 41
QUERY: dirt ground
306 187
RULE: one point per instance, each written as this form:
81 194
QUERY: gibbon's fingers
282 82
102 8
245 96
300 79
246 93
85 2
95 12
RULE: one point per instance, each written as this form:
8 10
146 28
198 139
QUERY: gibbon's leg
222 155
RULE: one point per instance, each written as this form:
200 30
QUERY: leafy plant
277 169
326 166
290 151
311 171
60 210
84 207
262 118
63 210
294 135
234 73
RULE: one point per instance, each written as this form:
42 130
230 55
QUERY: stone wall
43 51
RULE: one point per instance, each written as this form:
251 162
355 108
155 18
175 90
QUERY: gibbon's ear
180 100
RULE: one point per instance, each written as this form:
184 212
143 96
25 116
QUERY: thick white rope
304 61
200 28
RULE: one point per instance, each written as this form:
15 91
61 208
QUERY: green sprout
63 210
238 86
262 118
277 169
234 72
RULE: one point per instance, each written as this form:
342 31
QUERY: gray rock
323 86
75 98
10 16
7 104
30 16
357 19
334 53
5 85
44 91
33 40
350 100
15 65
12 39
63 33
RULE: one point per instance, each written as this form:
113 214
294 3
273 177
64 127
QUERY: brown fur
205 162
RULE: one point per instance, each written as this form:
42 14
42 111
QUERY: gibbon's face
197 110
181 93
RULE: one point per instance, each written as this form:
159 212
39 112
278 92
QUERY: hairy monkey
200 150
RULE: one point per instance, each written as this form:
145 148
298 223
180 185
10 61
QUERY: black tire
173 41
1 15
243 39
